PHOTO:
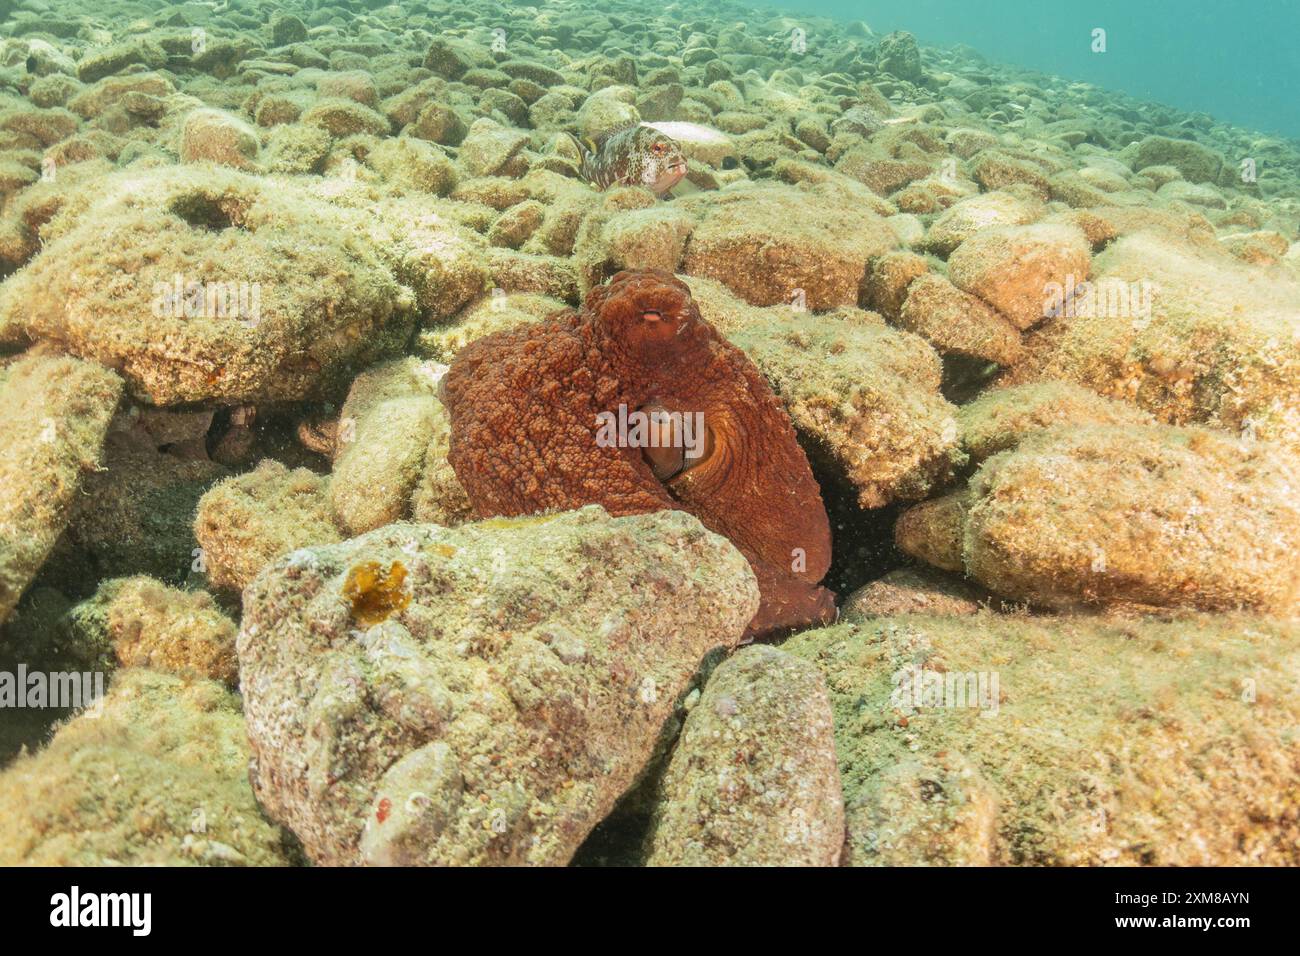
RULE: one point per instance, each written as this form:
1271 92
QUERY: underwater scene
606 434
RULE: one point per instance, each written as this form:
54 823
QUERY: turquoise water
1239 62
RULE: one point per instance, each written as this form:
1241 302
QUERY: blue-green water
1239 62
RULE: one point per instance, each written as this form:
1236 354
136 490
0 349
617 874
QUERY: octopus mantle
529 410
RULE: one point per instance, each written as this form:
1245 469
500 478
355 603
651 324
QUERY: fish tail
579 144
586 155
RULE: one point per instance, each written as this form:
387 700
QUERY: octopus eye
652 315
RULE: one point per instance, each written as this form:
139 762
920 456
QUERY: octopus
534 410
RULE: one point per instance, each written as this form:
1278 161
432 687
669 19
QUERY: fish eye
658 148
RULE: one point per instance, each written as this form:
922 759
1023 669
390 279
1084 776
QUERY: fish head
662 162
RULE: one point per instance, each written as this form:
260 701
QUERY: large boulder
200 284
1197 163
958 323
477 695
54 415
215 136
1189 333
155 774
1078 741
1124 515
868 397
1000 417
985 211
1015 268
384 430
749 240
753 780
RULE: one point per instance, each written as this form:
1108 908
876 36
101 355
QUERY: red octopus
528 434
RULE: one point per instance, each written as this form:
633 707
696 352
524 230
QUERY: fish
635 156
860 119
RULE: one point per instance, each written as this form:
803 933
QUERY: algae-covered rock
439 497
340 117
868 395
898 54
888 279
1188 333
569 204
729 314
513 227
919 590
165 629
1112 514
606 111
117 57
996 170
451 57
25 217
932 531
414 164
1197 163
295 149
956 322
200 285
970 216
491 149
748 240
493 313
753 780
385 428
1006 740
553 277
54 414
441 261
93 101
883 175
482 694
988 298
214 136
247 521
999 418
1014 268
157 775
651 238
